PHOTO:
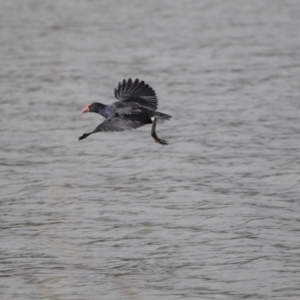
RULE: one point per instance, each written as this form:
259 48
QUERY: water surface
214 215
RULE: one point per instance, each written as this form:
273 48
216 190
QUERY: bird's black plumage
137 92
136 107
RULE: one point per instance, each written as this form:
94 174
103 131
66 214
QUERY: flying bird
136 107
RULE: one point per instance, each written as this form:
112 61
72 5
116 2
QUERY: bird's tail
161 116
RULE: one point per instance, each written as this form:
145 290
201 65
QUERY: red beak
86 109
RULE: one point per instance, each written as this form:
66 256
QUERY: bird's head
93 107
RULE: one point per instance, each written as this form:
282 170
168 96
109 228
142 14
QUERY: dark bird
136 107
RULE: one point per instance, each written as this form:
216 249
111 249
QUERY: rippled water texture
214 215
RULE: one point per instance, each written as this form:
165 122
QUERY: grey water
213 215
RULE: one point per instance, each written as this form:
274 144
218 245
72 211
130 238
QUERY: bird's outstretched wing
120 121
138 92
123 122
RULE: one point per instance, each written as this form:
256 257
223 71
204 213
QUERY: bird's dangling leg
154 135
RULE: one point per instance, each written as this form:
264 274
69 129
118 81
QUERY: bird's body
136 107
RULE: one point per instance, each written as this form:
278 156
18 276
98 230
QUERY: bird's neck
101 109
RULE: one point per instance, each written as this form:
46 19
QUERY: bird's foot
154 135
162 142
